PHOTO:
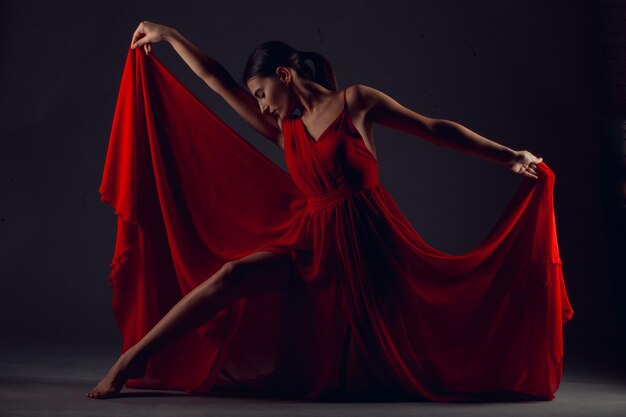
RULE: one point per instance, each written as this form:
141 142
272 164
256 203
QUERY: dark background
532 75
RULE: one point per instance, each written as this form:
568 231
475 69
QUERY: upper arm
386 111
247 107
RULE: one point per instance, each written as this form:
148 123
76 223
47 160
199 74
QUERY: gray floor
53 380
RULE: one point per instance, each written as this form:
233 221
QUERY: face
273 93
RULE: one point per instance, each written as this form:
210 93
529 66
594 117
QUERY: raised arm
386 111
213 74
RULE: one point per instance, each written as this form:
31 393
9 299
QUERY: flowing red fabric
370 309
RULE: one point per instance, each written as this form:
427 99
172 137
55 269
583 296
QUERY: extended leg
260 272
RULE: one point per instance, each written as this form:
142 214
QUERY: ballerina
279 82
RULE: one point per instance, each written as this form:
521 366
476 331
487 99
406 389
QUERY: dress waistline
333 198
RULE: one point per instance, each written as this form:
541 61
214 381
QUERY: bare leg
260 272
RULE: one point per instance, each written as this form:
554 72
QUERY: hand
147 33
524 163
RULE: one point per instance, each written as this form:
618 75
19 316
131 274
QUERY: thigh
259 272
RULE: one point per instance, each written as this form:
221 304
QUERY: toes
94 394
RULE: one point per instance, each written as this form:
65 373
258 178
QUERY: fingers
141 42
137 41
531 172
527 165
138 34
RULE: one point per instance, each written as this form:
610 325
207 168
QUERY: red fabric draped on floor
371 307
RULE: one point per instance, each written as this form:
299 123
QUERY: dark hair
269 55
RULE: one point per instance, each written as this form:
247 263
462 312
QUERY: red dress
372 308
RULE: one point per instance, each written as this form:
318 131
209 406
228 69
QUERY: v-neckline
306 130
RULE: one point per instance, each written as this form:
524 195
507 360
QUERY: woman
279 82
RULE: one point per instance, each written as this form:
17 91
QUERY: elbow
215 75
442 130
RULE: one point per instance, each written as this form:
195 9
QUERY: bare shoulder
359 98
370 99
370 103
378 107
357 95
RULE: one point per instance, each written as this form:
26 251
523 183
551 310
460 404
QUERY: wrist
506 156
170 34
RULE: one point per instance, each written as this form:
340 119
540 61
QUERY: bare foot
127 366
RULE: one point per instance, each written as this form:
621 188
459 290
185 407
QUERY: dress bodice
336 164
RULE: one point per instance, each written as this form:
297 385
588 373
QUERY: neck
311 96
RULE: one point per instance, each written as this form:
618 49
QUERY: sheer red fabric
371 308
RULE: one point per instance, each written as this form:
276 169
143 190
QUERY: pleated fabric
371 309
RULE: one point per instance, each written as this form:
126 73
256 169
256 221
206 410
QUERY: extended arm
213 74
386 111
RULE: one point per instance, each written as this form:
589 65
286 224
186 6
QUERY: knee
229 267
230 273
246 276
